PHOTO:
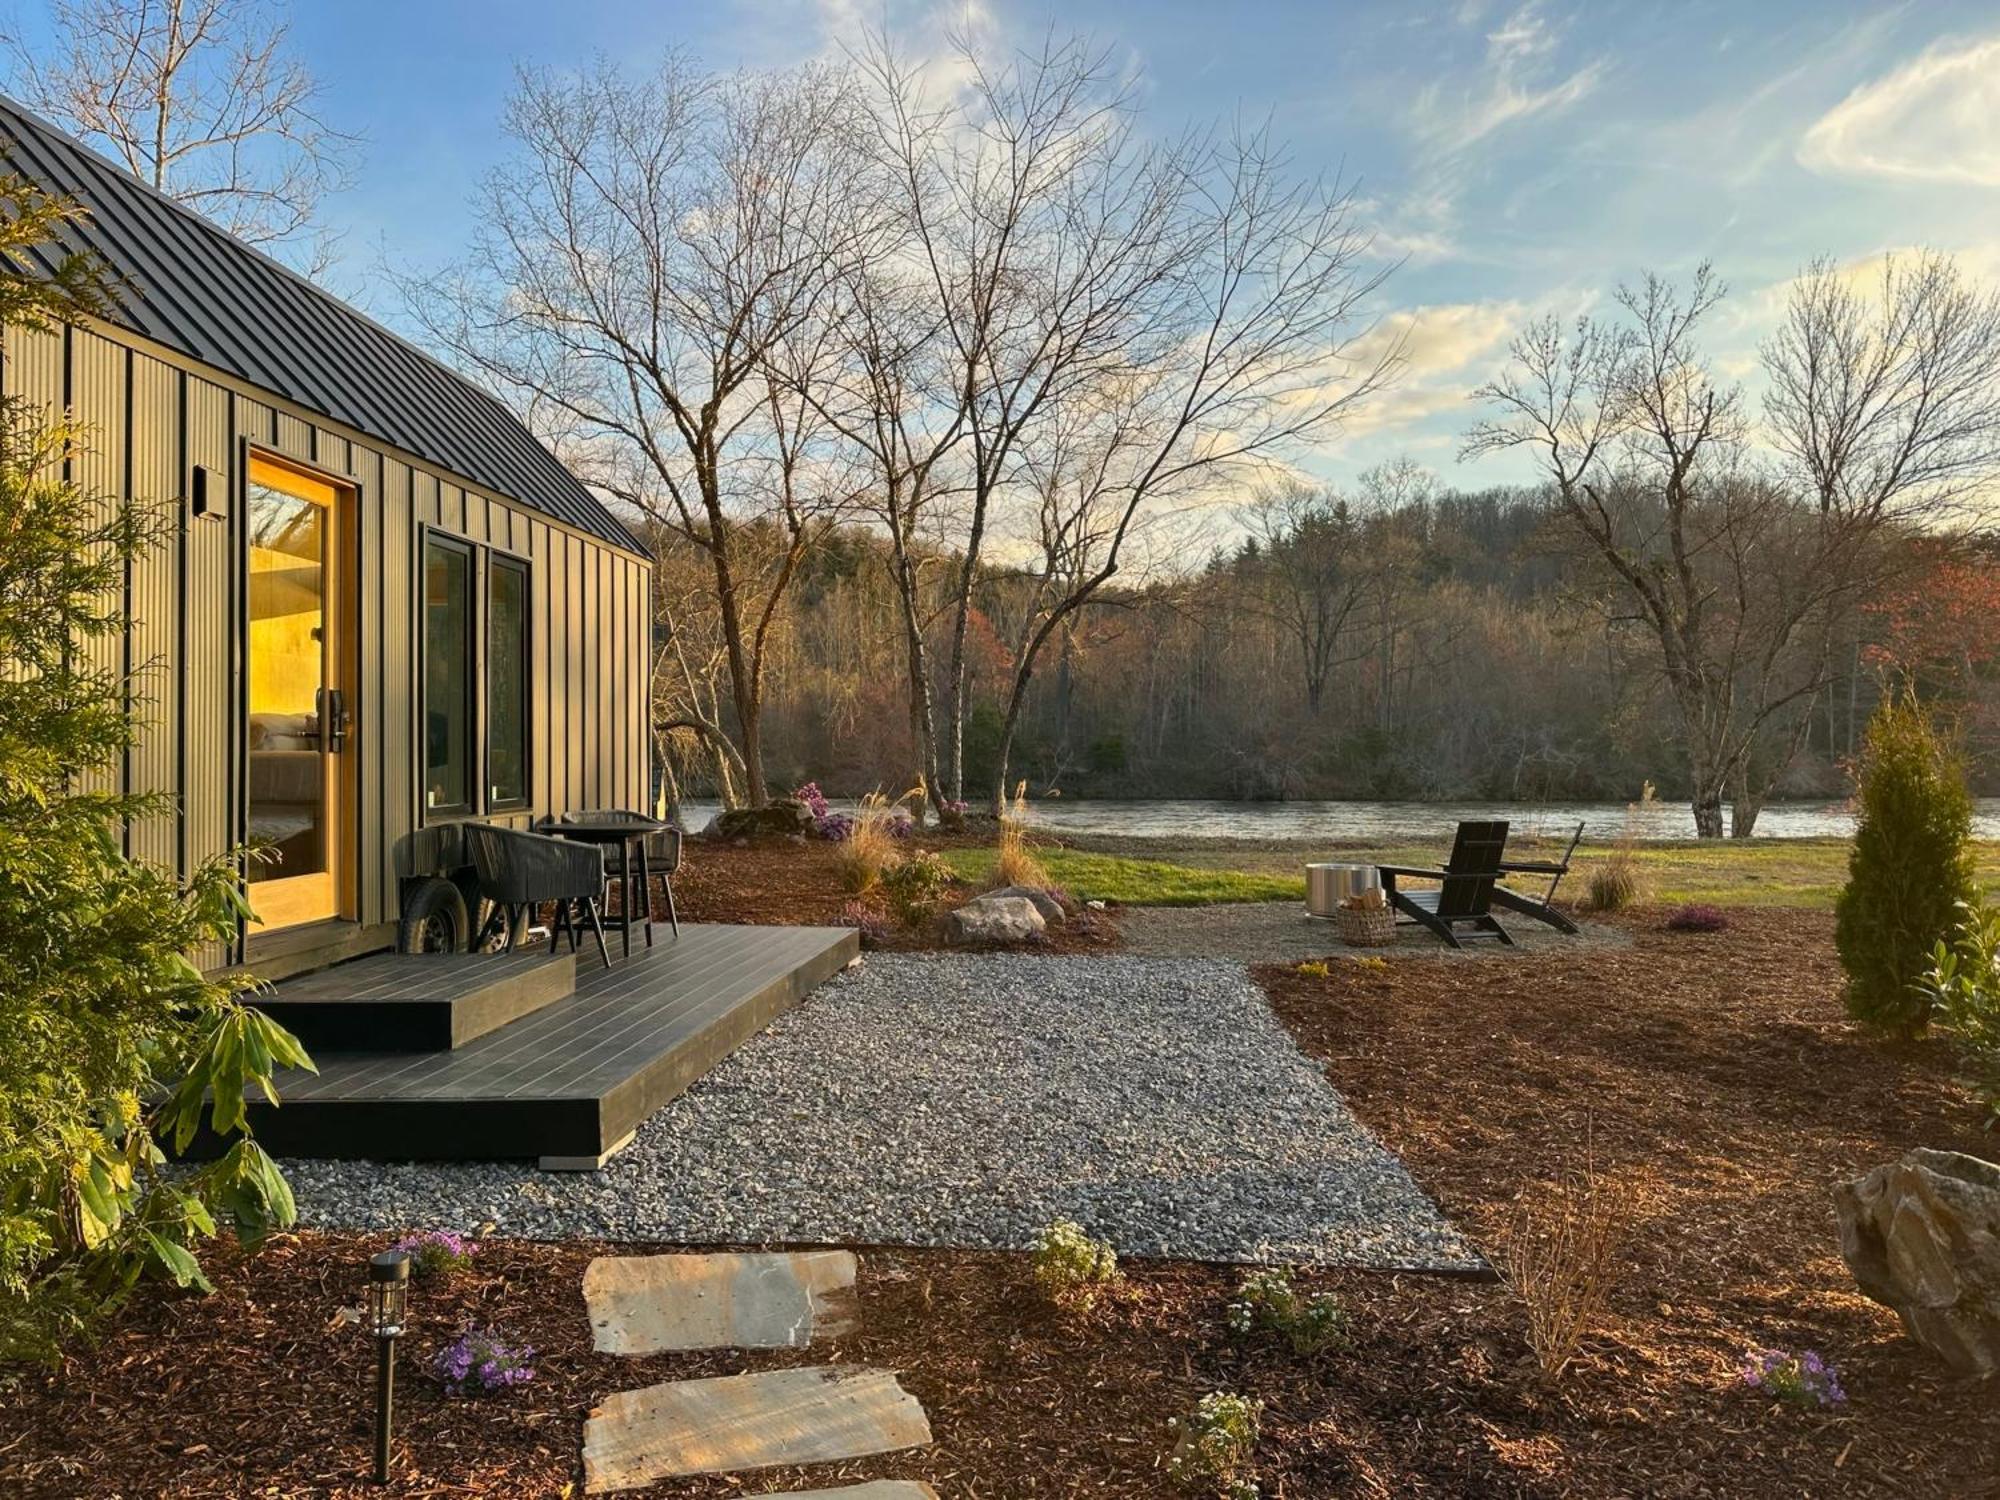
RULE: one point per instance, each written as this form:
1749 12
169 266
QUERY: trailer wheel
433 918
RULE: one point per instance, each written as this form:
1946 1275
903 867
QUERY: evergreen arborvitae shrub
1910 868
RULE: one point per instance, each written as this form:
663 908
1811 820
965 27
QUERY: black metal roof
200 291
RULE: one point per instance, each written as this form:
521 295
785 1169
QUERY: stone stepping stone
656 1304
880 1489
815 1415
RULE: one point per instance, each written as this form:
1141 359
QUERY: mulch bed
1714 1072
781 881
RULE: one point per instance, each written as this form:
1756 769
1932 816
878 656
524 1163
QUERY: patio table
631 836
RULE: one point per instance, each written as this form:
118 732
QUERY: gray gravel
967 1101
1282 932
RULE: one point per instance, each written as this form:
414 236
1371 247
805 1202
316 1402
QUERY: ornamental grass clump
1267 1302
1804 1379
1910 874
1695 917
1015 862
436 1254
479 1362
1072 1269
1313 969
869 849
1212 1447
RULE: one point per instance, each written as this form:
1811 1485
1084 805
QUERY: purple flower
1804 1379
436 1252
478 1361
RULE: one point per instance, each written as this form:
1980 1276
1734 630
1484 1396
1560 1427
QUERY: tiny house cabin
383 607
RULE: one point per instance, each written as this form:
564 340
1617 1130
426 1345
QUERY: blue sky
1519 157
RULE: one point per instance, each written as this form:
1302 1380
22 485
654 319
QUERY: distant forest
1414 644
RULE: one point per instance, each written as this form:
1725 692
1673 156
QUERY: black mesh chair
1464 897
663 854
517 872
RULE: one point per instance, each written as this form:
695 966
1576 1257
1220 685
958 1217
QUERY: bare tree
1242 357
648 245
201 99
1313 581
1034 226
1121 320
1886 416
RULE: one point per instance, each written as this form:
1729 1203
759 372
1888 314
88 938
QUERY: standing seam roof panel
199 291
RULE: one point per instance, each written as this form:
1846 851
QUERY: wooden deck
568 1083
430 1002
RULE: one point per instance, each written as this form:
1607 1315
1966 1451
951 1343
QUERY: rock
994 919
1922 1236
1050 908
781 819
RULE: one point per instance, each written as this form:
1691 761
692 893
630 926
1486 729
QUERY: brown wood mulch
1714 1072
782 881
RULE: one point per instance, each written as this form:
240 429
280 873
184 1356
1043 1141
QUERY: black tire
434 919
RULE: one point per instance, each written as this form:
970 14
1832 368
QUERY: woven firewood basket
1365 926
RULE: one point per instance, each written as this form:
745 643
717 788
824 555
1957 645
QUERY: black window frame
481 559
470 677
493 560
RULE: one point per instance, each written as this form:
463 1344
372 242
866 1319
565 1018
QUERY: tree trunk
1707 813
1744 805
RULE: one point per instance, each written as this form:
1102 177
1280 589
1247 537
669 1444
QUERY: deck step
417 1002
569 1084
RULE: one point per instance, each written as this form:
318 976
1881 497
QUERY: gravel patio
965 1101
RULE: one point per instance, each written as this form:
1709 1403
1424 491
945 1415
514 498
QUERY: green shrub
1267 1302
1071 1268
915 885
110 1038
1910 871
1212 1447
1962 986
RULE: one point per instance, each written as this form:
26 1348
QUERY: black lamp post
388 1303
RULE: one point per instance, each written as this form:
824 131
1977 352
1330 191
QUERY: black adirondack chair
1540 907
518 871
1466 887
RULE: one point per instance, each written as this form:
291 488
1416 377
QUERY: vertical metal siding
156 484
588 624
209 736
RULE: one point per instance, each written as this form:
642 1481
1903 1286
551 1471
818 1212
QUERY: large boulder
1922 1236
781 819
994 919
1050 908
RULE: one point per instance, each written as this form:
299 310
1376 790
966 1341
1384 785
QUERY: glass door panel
294 702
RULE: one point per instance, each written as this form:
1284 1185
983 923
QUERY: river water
1395 822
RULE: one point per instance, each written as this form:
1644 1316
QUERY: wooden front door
299 590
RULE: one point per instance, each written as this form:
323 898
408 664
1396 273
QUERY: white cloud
1936 119
1514 83
1445 351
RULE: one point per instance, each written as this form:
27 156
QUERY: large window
448 675
475 678
506 682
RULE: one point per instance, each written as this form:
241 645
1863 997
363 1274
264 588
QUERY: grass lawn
1144 882
1757 872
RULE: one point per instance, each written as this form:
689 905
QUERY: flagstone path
819 1414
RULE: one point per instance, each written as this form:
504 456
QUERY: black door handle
332 719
